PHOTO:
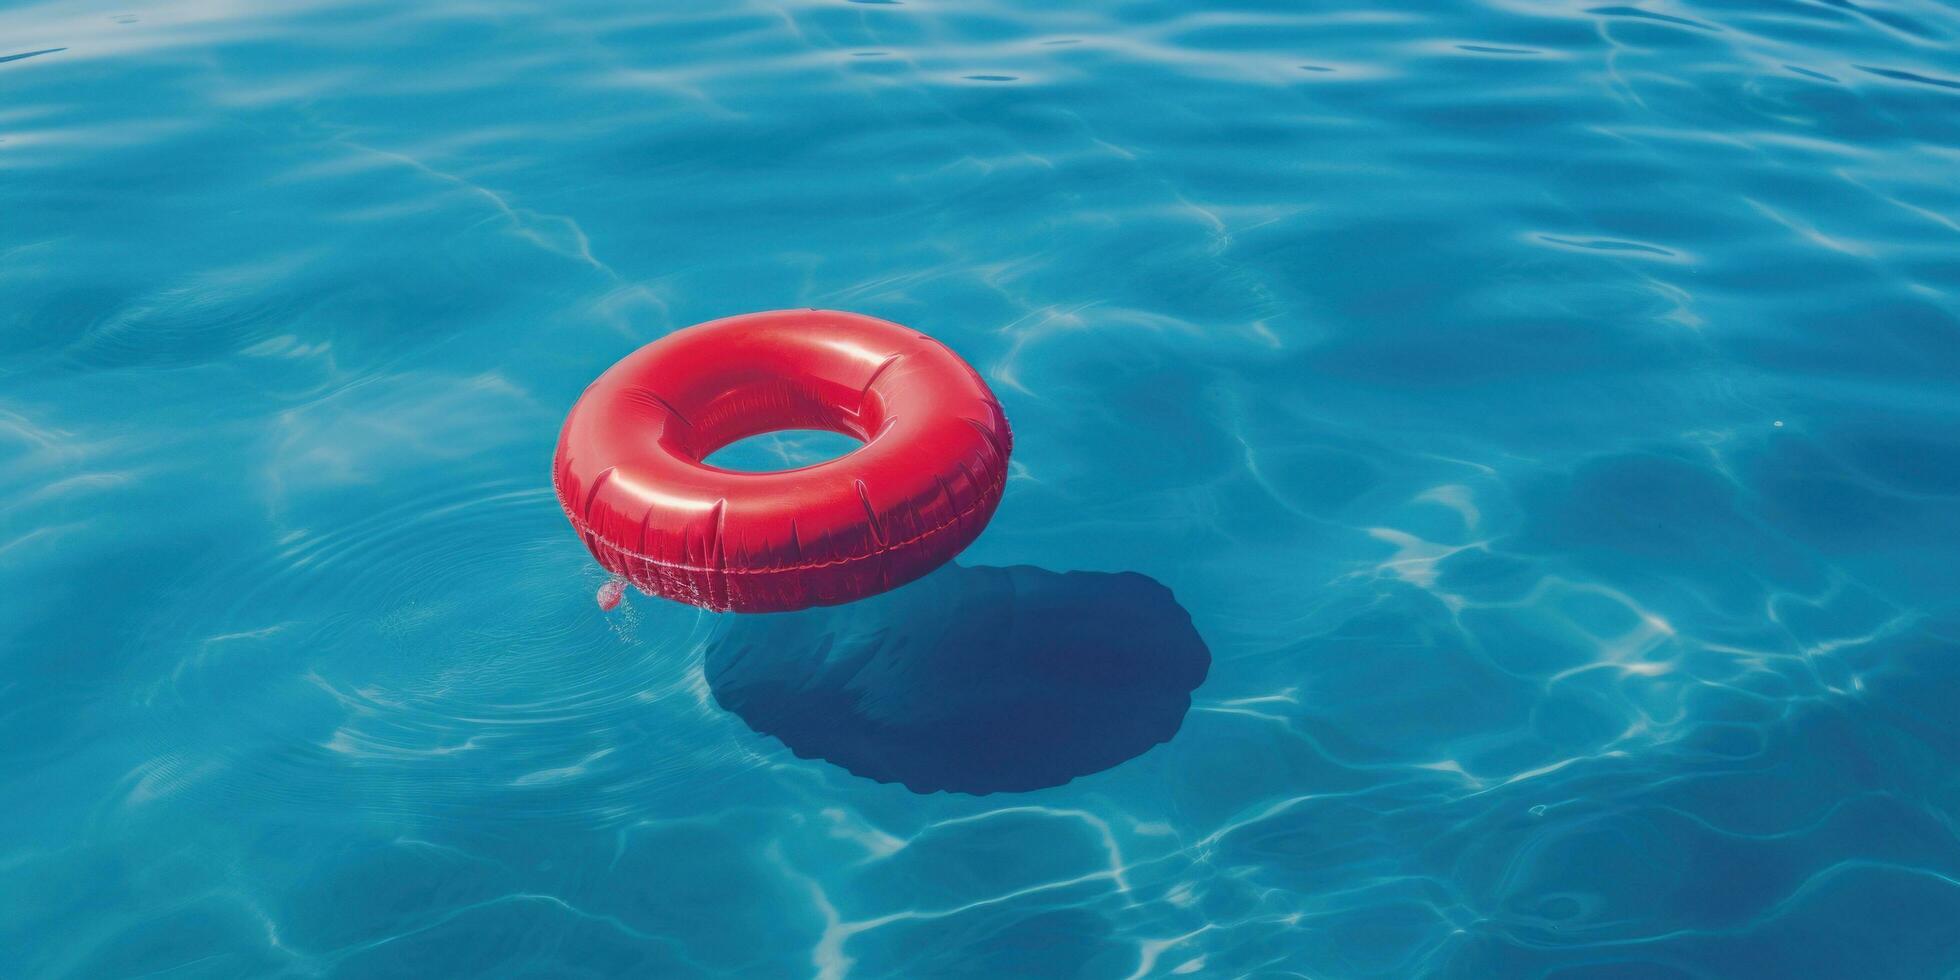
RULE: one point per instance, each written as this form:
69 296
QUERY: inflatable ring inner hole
759 406
782 451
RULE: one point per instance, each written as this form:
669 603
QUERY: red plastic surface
630 475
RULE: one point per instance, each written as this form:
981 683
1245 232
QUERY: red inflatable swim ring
630 475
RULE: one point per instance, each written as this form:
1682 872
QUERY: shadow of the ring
976 680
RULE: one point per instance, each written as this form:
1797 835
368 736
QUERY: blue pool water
1545 412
